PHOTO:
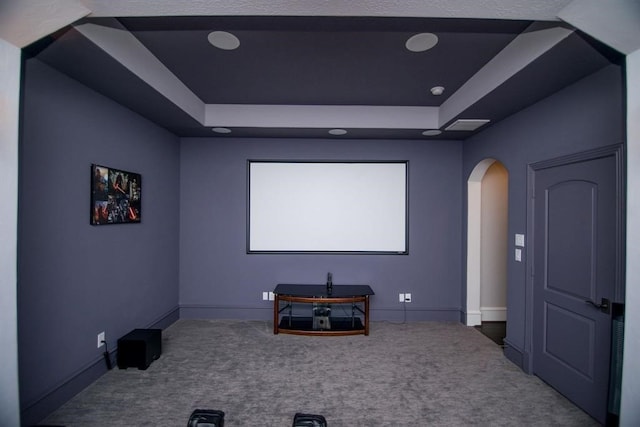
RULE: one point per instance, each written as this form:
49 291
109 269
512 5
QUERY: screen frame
343 252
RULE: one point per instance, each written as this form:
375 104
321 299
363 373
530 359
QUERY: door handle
604 305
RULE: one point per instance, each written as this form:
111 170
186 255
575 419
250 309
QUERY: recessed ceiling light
221 130
223 40
421 42
337 131
432 132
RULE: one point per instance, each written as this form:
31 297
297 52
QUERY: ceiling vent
467 124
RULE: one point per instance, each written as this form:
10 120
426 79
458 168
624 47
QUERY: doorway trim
473 315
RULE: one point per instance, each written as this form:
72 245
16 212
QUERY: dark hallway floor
495 331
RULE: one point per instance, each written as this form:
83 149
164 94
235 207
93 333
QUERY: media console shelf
318 319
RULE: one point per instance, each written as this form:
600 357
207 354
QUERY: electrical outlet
407 297
268 296
100 339
401 297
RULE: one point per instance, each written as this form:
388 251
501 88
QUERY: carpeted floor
410 374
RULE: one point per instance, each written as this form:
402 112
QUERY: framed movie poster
116 196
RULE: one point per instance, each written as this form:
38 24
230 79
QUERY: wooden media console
320 318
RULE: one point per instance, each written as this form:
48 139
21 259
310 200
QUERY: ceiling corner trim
321 116
122 46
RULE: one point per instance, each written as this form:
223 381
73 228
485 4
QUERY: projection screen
320 206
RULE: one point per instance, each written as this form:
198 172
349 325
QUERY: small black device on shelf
321 313
329 283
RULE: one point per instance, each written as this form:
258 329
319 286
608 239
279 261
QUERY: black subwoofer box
139 348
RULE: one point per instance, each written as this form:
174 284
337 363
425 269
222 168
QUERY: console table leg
276 309
353 315
366 315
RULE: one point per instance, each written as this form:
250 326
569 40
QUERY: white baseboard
473 318
494 314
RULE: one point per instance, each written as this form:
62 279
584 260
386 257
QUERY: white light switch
519 255
520 240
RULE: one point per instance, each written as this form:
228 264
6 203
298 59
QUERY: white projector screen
313 206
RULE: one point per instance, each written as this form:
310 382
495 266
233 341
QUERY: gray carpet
411 374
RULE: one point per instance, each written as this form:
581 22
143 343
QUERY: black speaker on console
139 348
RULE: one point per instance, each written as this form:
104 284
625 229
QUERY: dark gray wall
585 115
76 280
218 279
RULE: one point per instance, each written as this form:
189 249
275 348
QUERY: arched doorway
487 216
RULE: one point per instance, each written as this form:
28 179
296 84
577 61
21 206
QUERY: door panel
575 229
566 330
571 209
